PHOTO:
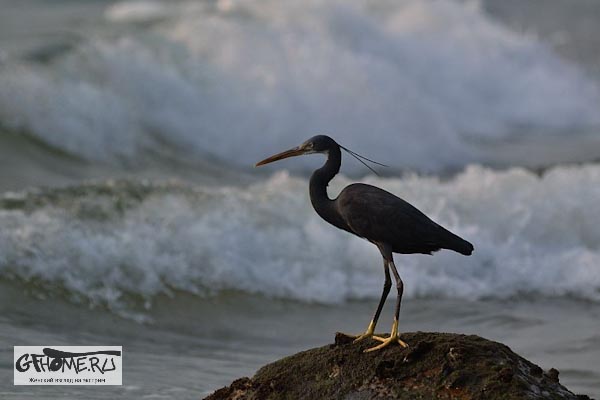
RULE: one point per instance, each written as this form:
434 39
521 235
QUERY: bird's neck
319 180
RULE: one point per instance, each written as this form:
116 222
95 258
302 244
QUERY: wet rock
435 366
553 374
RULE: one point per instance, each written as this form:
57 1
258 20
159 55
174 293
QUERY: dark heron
387 221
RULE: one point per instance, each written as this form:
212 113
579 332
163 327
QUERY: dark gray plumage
379 216
392 224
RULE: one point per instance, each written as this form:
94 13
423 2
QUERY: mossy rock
435 366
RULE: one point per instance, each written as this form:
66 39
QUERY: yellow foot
393 339
368 333
365 335
386 342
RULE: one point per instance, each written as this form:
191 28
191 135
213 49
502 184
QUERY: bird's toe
385 342
366 335
379 338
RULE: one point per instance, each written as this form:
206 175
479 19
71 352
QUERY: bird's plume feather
361 158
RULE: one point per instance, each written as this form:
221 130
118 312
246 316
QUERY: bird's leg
394 336
386 290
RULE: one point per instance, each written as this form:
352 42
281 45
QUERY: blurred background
131 214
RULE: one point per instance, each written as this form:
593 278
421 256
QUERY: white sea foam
105 242
136 11
400 80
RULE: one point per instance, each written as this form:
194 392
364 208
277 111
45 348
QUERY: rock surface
435 366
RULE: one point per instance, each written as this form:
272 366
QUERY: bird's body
389 222
381 217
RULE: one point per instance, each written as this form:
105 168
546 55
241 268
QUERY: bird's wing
379 216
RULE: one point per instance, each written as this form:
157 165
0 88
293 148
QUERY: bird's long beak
296 151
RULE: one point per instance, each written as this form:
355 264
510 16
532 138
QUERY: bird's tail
456 243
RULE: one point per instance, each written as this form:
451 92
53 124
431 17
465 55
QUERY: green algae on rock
435 366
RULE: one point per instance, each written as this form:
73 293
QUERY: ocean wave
400 80
105 243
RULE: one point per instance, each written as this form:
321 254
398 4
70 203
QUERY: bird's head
316 144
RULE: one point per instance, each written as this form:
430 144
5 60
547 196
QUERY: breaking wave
400 80
104 243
